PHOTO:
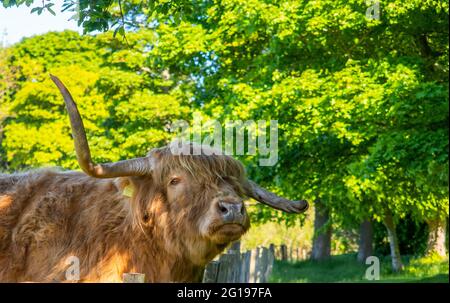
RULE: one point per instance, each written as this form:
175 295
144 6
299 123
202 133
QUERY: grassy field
345 268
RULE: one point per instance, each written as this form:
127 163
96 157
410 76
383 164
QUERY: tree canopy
361 103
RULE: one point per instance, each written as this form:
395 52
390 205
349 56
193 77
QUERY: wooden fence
252 266
234 266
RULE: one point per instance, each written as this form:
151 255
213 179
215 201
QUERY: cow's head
195 200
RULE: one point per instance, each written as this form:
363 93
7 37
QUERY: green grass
345 268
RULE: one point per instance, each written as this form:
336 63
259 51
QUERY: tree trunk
436 237
393 242
365 248
322 233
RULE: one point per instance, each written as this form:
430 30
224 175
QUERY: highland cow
163 215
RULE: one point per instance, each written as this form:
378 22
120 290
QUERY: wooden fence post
284 253
235 267
270 260
225 264
272 248
245 267
253 265
133 278
258 264
235 247
229 269
211 272
263 264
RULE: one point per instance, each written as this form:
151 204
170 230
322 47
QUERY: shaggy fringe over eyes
204 169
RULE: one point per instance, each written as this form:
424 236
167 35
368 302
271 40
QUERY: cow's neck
148 254
151 248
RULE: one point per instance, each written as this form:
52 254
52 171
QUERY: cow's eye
175 181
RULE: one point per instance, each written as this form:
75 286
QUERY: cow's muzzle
232 212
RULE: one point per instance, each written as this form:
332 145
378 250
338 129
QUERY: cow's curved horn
264 196
133 167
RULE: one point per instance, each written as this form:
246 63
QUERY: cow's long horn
264 196
132 167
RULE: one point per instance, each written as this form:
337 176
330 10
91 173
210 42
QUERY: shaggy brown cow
164 215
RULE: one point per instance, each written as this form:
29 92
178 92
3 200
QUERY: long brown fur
47 216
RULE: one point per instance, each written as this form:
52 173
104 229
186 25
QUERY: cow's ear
148 200
125 186
142 187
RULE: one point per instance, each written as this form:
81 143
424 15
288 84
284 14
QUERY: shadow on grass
345 269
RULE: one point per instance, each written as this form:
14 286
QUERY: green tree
124 105
6 83
362 104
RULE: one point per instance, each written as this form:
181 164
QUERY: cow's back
47 216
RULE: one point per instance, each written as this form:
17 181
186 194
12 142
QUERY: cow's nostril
231 212
223 209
